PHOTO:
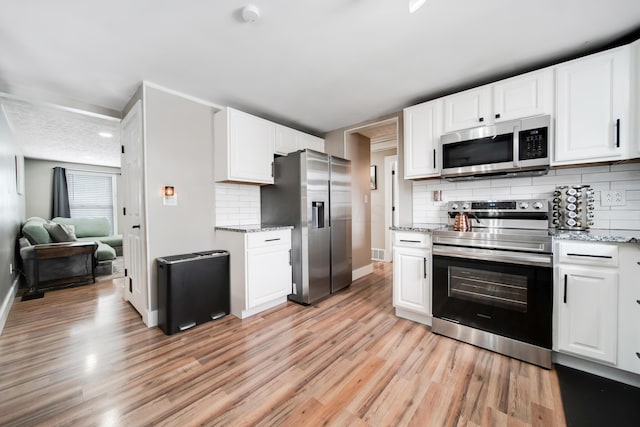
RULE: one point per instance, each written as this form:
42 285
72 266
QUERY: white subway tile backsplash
237 204
624 177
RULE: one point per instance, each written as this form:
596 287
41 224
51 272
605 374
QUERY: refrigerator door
316 233
340 222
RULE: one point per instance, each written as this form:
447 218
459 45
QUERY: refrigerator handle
329 184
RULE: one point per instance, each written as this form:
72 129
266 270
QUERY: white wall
38 183
179 144
623 177
11 213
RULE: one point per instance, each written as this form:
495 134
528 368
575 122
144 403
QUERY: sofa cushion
87 227
60 232
33 229
105 252
115 240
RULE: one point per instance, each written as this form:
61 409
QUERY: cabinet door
523 96
587 300
251 145
467 109
286 140
629 308
311 142
592 99
422 129
411 279
268 274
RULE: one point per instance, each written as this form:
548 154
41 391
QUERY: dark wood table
63 250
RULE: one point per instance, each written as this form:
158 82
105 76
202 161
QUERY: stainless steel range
493 285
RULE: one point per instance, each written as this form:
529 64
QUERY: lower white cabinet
260 269
412 276
587 299
629 308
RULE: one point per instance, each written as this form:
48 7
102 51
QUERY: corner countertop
598 235
254 228
418 227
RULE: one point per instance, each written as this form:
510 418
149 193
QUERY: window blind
91 195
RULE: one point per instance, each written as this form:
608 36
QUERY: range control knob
524 205
466 207
454 207
538 205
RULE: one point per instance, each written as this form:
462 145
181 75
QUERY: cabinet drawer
269 238
412 239
588 253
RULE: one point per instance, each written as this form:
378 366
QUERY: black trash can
192 289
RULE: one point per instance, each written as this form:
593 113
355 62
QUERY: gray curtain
60 194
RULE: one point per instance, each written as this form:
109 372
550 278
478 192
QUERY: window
92 194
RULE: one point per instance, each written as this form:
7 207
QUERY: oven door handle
539 260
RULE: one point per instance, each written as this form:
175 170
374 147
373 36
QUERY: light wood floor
82 356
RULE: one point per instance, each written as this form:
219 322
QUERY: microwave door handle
516 145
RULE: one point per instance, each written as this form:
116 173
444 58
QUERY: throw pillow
59 233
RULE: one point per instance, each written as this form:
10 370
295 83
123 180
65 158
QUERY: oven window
480 151
489 288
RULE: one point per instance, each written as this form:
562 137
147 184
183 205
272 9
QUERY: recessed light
106 134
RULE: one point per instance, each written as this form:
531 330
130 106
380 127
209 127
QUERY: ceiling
313 65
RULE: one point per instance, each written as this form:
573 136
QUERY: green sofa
93 229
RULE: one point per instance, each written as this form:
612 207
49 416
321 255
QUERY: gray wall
358 151
11 206
179 144
378 208
38 183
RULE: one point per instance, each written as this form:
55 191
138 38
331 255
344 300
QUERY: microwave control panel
533 144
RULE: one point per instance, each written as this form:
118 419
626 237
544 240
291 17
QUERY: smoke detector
250 13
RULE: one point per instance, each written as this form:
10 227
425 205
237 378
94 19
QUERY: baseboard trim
361 272
410 315
8 303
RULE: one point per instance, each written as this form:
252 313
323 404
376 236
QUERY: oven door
505 298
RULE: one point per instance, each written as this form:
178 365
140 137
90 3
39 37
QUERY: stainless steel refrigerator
312 192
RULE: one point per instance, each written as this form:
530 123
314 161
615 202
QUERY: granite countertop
598 235
419 227
254 228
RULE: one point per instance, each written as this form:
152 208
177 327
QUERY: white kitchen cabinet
467 109
629 308
412 276
525 95
260 269
587 300
243 147
592 108
635 105
286 140
290 140
422 130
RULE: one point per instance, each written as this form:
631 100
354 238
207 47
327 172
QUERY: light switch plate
612 198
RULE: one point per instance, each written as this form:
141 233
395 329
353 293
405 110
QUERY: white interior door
133 218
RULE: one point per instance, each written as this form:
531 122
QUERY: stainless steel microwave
515 147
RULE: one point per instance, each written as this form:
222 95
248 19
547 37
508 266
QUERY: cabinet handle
591 256
271 240
272 168
481 119
434 158
424 263
565 288
290 257
638 354
498 116
618 133
638 301
135 226
410 241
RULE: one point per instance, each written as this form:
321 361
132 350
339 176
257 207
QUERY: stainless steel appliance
493 286
312 192
573 207
510 148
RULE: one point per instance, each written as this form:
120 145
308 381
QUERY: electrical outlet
612 198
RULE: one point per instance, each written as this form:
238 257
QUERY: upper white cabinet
290 140
635 105
526 95
422 130
243 147
467 109
593 104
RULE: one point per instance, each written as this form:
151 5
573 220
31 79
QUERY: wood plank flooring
82 356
